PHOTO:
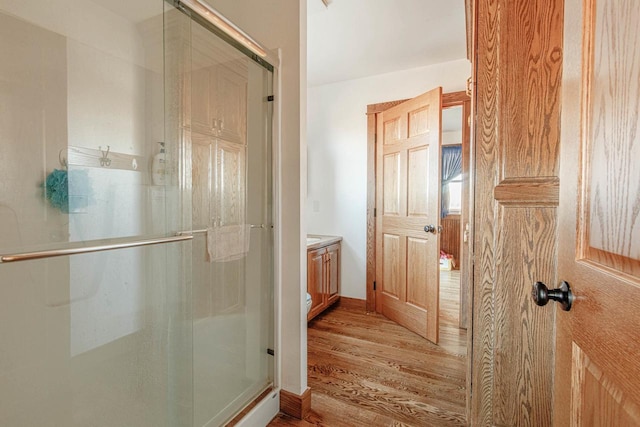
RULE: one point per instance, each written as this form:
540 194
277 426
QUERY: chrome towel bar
27 256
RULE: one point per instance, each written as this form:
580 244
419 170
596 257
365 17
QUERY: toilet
308 302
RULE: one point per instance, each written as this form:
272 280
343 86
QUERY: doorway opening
454 231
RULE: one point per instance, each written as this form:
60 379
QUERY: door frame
450 99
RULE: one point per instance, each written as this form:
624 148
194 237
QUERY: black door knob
541 295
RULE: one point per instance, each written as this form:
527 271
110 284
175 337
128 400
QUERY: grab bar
26 256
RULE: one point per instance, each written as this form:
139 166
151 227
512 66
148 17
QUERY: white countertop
315 241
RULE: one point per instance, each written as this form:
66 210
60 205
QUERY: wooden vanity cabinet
323 278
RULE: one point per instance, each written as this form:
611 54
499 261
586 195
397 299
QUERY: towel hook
62 159
105 160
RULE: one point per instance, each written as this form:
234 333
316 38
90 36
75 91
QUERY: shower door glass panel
228 123
102 338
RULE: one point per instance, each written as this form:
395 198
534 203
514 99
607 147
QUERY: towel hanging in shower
228 243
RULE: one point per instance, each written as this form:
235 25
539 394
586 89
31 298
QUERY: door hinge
271 352
374 285
270 98
375 212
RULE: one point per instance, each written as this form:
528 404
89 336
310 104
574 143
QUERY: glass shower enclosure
136 278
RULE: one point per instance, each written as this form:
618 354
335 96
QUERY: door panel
417 262
597 399
418 182
391 256
419 121
392 130
408 176
611 227
391 189
598 340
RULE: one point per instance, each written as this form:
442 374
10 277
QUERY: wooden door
597 371
408 198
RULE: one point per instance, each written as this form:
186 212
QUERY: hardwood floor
365 370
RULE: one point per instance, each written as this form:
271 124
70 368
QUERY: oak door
597 370
408 199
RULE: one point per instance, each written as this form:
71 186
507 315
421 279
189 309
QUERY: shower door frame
266 409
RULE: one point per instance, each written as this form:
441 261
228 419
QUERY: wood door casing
408 197
466 220
518 68
598 341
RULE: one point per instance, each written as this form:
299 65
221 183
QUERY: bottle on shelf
158 167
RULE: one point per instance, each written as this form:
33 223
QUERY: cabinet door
230 175
201 178
231 103
333 273
201 108
315 281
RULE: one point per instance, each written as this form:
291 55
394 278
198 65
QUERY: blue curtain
451 167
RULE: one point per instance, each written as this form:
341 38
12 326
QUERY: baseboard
353 304
294 405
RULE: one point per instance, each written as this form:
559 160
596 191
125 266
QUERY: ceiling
358 38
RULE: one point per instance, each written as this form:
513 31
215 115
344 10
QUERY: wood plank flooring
365 370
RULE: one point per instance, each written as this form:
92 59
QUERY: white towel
228 243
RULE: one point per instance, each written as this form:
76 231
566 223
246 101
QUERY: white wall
337 154
282 24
